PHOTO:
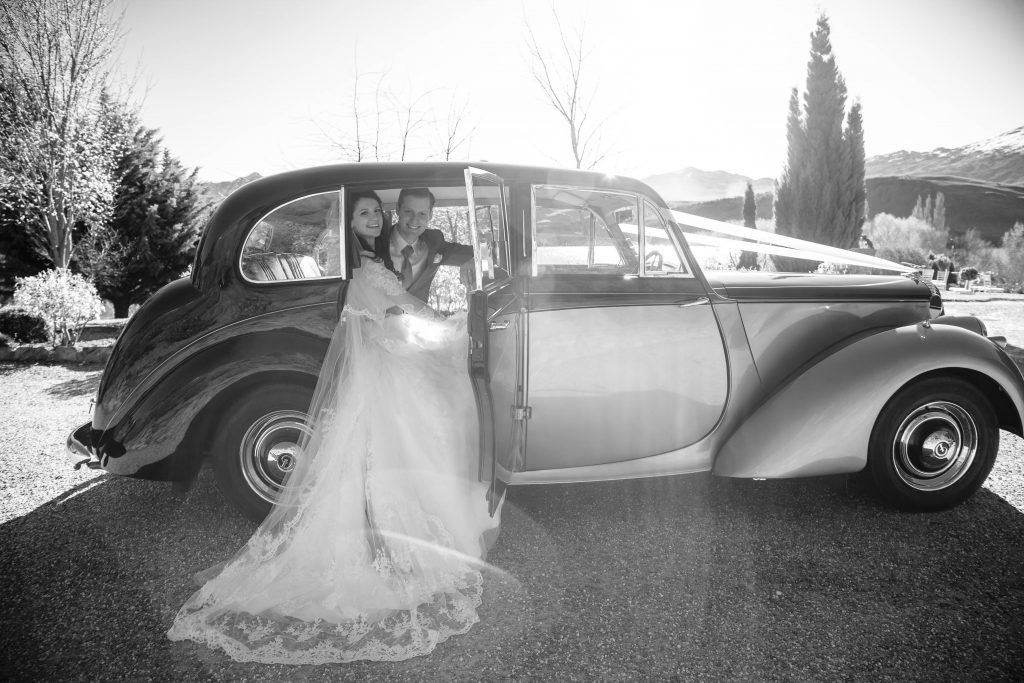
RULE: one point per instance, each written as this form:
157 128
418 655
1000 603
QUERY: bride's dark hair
380 243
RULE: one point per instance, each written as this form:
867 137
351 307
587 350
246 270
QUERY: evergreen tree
939 212
786 189
151 236
820 195
918 210
748 259
856 171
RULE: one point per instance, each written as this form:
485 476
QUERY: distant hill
727 208
694 185
998 160
992 208
214 193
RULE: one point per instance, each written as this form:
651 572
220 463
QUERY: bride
374 550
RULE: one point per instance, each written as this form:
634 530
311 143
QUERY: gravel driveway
686 577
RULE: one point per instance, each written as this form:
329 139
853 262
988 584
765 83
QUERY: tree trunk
121 305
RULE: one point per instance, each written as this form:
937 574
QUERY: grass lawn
1002 318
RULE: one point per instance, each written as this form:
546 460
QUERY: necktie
407 265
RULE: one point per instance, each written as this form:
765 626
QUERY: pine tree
748 259
820 195
151 237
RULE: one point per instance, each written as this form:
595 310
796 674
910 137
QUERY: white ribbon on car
779 245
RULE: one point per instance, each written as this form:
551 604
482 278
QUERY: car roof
255 199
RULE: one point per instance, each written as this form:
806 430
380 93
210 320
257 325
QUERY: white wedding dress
375 549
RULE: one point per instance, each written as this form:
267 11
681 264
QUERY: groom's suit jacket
439 253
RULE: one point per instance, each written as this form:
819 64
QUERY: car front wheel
933 444
257 445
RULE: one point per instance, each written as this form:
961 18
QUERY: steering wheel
654 260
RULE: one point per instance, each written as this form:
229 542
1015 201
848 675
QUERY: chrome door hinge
522 412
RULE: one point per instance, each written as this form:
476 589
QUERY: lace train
375 550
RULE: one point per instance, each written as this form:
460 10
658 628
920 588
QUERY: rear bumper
80 450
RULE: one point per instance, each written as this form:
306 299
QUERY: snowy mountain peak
1011 141
999 159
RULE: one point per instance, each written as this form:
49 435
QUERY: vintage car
599 347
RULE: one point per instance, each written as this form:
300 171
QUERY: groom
416 251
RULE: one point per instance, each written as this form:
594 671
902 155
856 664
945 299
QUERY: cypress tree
918 210
939 213
857 197
820 195
748 259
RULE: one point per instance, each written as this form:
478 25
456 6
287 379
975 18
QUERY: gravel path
688 577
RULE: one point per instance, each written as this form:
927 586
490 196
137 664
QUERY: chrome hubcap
270 450
935 446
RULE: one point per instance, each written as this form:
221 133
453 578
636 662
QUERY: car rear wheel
934 444
256 445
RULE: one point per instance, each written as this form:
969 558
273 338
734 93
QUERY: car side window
300 240
662 254
582 230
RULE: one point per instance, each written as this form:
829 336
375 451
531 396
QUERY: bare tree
560 77
55 59
456 132
361 139
396 125
410 115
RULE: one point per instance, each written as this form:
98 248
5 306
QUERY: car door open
496 333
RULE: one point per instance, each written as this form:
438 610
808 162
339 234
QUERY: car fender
820 421
155 425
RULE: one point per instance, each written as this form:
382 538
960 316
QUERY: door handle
497 325
696 302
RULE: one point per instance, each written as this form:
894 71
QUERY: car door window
582 230
300 240
662 255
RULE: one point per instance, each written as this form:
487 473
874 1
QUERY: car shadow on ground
80 386
688 576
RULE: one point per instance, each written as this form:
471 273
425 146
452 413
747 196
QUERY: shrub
904 239
24 325
5 341
68 301
968 274
1010 257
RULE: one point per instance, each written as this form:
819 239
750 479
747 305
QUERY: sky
243 86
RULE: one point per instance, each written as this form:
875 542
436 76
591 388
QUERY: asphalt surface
687 578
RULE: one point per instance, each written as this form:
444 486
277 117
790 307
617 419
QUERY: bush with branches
907 240
24 325
67 300
1010 259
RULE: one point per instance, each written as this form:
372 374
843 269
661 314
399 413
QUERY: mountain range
998 160
983 186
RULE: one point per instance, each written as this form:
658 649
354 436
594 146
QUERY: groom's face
413 217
